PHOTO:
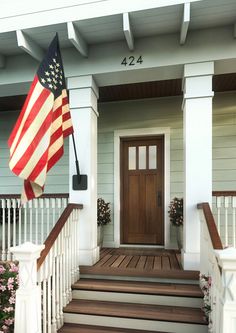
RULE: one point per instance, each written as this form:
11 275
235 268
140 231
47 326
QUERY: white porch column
83 105
197 109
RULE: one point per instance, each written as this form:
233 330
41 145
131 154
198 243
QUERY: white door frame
141 132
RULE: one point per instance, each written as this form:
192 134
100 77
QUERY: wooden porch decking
142 262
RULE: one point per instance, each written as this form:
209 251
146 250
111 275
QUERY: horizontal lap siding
224 141
57 178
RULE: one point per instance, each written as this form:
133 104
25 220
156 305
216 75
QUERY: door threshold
142 246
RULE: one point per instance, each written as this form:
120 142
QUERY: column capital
198 69
83 82
197 81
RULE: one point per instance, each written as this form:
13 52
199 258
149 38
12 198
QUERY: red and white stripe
36 142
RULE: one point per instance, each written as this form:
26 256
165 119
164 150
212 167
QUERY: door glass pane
142 157
132 158
152 157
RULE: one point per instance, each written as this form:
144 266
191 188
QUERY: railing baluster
14 205
30 205
226 206
234 219
9 234
47 202
49 295
35 201
61 278
54 323
3 202
45 274
64 265
53 208
19 221
25 221
59 205
41 206
218 206
57 255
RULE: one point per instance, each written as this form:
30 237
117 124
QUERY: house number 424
132 61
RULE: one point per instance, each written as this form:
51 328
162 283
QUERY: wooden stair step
76 328
134 272
136 311
150 288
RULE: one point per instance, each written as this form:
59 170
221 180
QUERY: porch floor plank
144 262
157 263
141 262
133 262
166 263
118 261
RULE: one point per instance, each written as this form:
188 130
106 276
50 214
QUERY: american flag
36 142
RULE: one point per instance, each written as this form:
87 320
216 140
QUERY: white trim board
118 134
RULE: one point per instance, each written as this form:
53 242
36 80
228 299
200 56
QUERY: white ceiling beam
185 23
29 46
128 32
76 39
2 61
234 30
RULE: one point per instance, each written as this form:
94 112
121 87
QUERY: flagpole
76 159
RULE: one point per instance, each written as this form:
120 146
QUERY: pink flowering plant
205 285
8 286
176 211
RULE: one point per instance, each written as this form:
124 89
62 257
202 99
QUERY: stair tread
76 328
137 311
151 288
112 271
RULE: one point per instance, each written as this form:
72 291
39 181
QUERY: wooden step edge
80 328
144 288
163 313
173 274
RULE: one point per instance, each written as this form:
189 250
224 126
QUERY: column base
89 257
190 261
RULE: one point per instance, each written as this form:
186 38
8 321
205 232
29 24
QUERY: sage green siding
57 178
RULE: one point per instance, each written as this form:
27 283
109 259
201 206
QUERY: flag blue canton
50 72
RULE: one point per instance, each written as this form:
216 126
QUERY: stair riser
138 298
139 324
135 278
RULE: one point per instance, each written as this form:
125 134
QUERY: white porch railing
224 211
220 265
31 222
57 268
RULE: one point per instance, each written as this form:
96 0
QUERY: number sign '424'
132 61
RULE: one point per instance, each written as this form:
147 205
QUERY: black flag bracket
79 182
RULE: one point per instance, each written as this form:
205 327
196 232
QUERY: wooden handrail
56 231
224 193
43 196
215 238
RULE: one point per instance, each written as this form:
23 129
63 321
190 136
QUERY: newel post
28 298
227 312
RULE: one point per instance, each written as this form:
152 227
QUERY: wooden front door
142 190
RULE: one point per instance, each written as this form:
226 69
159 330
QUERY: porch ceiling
221 83
149 22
